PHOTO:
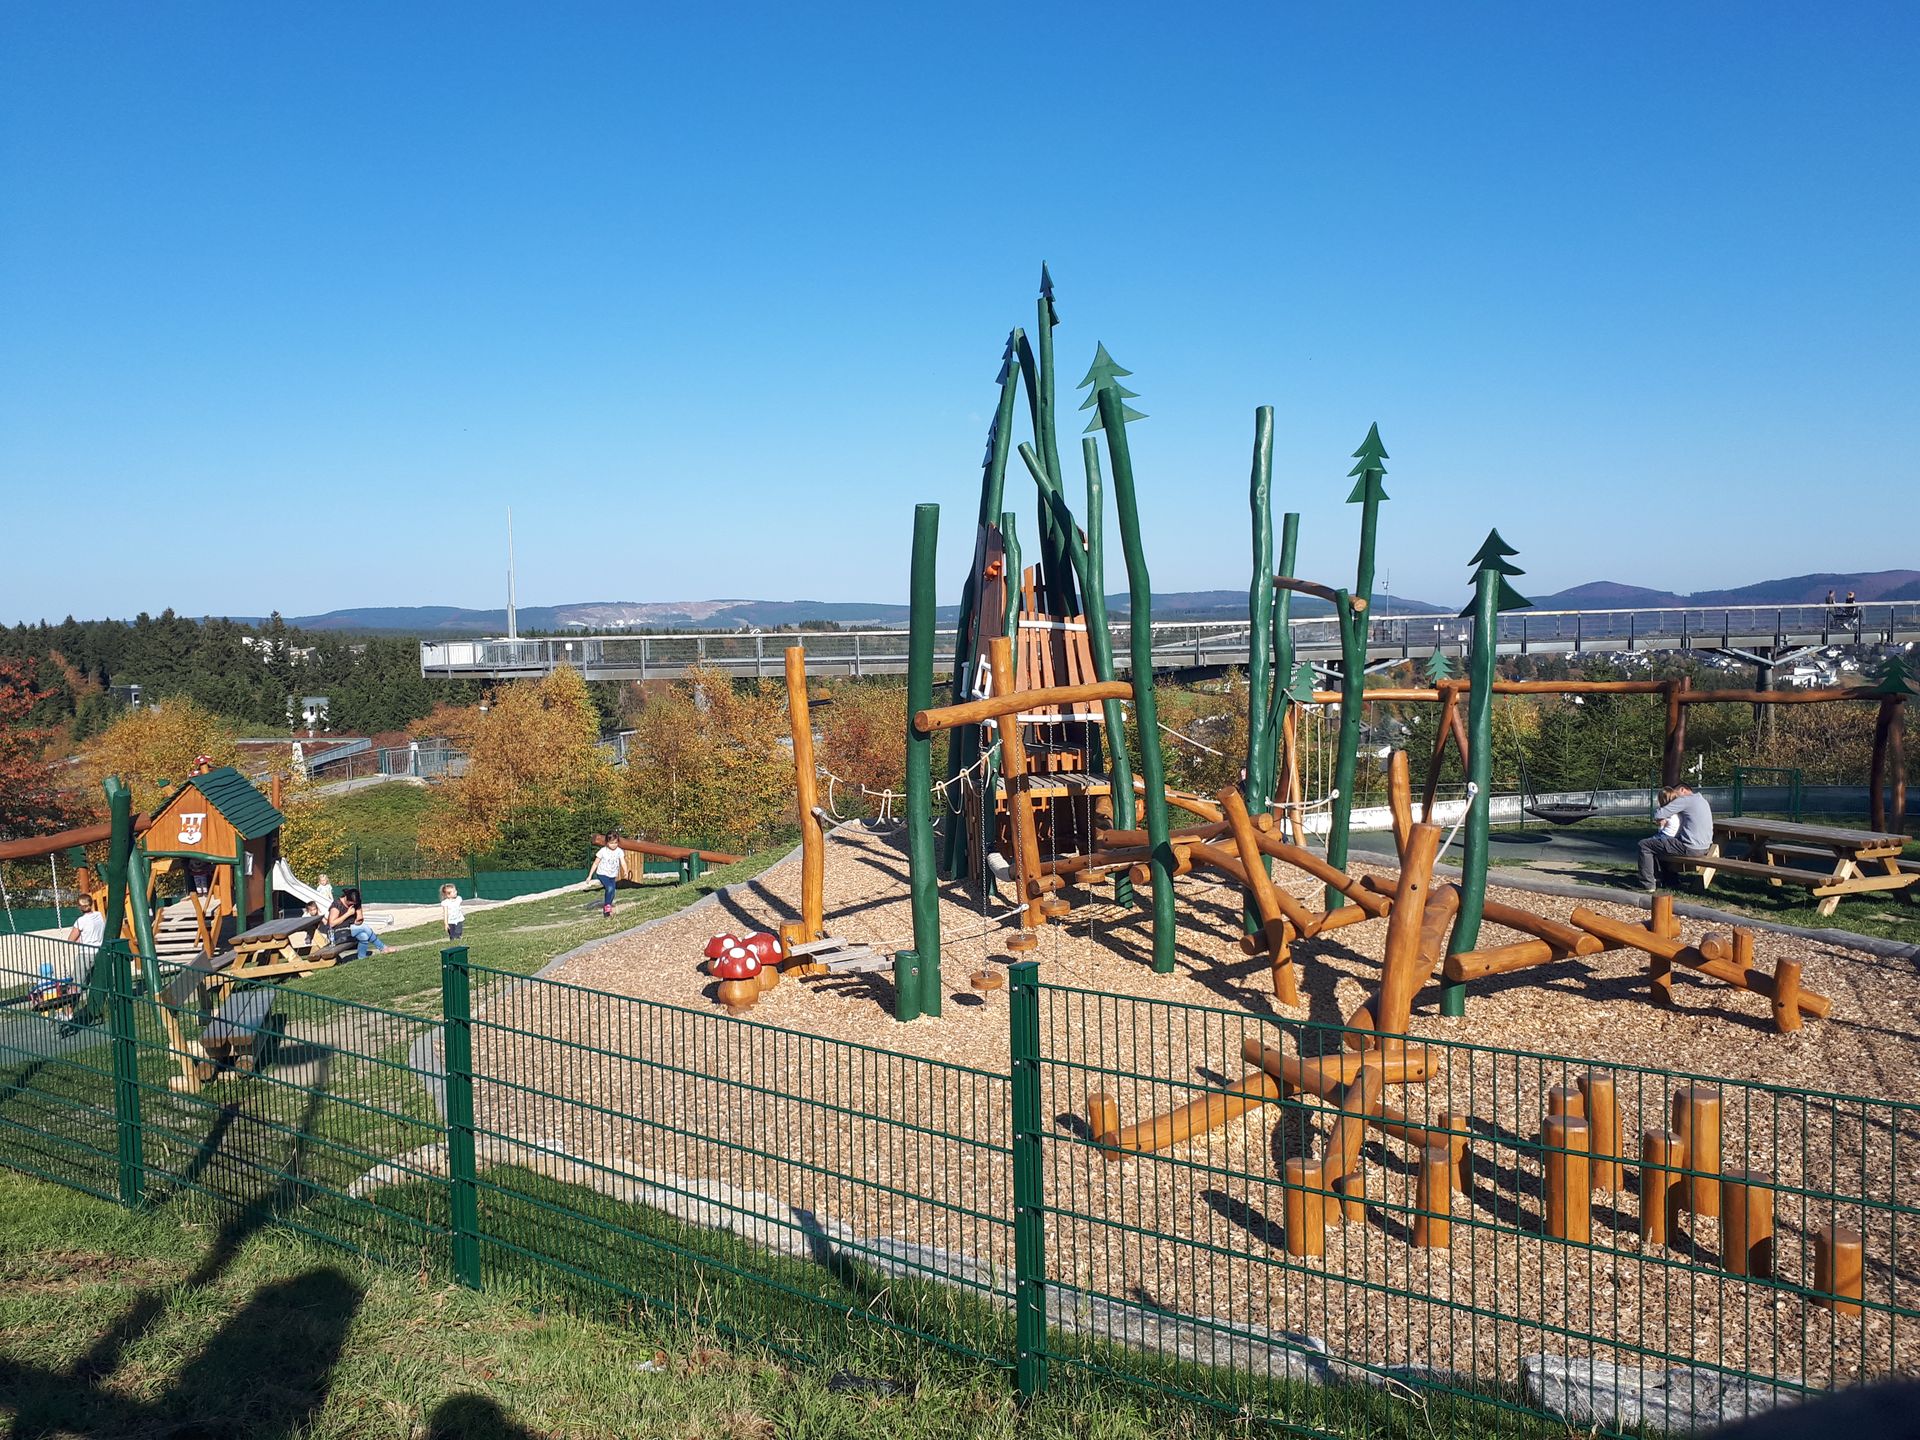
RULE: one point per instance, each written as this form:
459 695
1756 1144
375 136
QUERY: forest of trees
244 672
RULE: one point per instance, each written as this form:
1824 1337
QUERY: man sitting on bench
1694 835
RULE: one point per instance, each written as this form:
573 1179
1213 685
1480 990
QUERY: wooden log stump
1103 1119
1696 1120
1433 1192
1836 1268
1305 1203
1455 1126
1566 1100
1661 1156
1352 1190
1786 992
1746 1224
1602 1109
1569 1198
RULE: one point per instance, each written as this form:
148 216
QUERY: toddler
453 912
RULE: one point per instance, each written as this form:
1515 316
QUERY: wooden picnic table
1832 861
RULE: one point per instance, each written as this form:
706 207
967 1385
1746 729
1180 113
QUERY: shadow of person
472 1417
266 1371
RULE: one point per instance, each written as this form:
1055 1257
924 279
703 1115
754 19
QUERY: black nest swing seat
1555 812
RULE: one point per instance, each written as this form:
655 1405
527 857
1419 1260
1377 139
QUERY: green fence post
906 985
922 873
473 876
356 867
128 1123
456 1043
696 865
1029 1191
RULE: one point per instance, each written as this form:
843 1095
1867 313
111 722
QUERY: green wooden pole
963 745
925 881
1100 638
1368 473
1353 679
1153 766
456 1043
137 878
1283 649
1257 786
1491 595
1044 430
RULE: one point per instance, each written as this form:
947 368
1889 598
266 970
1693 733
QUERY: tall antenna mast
513 624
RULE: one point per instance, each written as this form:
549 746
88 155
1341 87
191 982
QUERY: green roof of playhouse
236 798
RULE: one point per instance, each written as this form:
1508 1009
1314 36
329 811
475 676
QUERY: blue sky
295 302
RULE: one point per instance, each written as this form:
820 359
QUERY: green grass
519 937
121 1324
386 819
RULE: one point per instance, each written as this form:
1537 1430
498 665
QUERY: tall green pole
1100 638
1283 652
1113 417
1258 786
1368 473
119 847
963 745
1491 595
1045 432
989 816
925 882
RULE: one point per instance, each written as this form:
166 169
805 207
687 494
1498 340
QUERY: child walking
606 870
453 912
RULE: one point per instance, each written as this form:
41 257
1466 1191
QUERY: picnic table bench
1832 861
232 1010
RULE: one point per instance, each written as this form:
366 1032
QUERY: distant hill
599 616
1872 586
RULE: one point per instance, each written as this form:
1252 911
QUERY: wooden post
1146 713
1013 765
1659 967
1673 759
1786 990
1274 920
276 793
1432 1222
1836 1268
1352 1190
1305 1207
1449 717
1569 1199
813 839
1402 974
1455 1124
1400 801
922 866
1358 1101
1661 1155
1103 1119
1567 1100
1696 1120
1602 1109
1290 755
1746 1224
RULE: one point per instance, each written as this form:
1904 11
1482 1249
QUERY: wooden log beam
1192 804
1280 913
1357 603
993 707
1773 697
676 852
1303 859
1563 936
1133 839
1324 1076
1400 801
1181 1123
1013 765
1403 974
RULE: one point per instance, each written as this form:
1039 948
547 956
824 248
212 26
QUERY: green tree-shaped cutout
1438 667
1490 566
1369 468
1896 677
1104 374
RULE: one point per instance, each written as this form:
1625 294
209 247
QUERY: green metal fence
809 1193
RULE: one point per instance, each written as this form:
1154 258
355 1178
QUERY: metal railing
810 1193
1183 644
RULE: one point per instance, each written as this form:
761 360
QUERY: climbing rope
943 790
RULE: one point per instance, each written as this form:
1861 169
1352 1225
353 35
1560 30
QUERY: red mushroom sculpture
717 947
766 949
739 973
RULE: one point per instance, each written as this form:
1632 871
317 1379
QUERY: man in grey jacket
1692 834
